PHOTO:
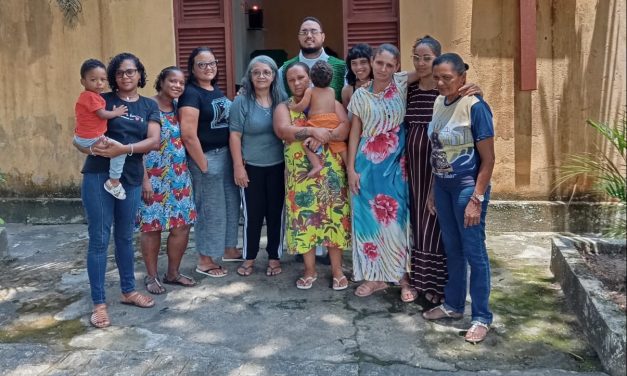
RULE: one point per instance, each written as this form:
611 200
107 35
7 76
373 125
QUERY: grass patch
43 330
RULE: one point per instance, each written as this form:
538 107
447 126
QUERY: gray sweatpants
217 203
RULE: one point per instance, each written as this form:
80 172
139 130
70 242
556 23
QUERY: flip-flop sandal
177 280
272 271
153 285
207 272
232 259
440 312
138 300
100 317
337 283
366 290
476 332
245 271
307 283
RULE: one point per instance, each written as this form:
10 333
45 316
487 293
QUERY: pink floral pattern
379 147
370 250
380 210
385 208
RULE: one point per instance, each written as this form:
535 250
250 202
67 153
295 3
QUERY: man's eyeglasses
425 58
306 32
207 64
130 73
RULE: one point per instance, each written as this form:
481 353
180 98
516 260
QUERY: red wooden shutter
206 23
370 21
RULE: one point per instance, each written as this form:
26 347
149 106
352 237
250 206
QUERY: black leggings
264 198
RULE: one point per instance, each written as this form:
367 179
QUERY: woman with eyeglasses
258 164
427 273
138 133
204 117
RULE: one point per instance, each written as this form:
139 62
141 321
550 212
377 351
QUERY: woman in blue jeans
462 139
138 133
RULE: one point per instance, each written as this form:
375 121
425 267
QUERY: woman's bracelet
91 151
131 153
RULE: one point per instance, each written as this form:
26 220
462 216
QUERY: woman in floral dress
167 203
377 177
317 208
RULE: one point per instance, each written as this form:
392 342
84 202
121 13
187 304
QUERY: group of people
404 183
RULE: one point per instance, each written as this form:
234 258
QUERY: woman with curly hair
138 133
167 203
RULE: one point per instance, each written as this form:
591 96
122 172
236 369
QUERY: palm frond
604 168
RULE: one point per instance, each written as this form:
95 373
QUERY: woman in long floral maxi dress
377 177
317 208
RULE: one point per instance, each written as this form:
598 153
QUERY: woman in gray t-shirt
258 165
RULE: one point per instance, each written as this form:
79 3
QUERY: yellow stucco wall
580 65
580 68
40 58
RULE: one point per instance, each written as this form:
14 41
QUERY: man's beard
310 50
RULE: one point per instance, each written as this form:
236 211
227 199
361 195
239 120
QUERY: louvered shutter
206 23
370 21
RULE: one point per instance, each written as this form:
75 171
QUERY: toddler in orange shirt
91 121
320 100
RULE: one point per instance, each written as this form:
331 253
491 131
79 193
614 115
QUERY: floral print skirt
380 210
317 209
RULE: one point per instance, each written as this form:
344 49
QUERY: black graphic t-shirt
213 120
127 129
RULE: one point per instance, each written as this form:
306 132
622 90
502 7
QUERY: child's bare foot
314 171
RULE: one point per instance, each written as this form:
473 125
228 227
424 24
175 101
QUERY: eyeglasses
207 64
130 73
425 58
306 32
265 73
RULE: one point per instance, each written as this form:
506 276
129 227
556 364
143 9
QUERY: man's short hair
313 19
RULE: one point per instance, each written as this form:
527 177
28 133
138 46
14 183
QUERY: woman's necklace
128 98
266 110
378 88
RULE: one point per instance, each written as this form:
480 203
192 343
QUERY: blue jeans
217 203
102 211
464 246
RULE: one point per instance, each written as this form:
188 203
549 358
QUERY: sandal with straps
440 312
177 281
370 287
138 300
477 332
100 317
153 285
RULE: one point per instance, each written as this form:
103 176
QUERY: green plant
605 168
2 181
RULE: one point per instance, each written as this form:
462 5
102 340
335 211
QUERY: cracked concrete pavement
261 325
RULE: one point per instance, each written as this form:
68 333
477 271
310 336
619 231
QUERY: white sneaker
116 191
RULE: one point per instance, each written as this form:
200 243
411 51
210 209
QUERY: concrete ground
262 325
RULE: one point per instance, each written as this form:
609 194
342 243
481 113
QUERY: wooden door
370 21
206 23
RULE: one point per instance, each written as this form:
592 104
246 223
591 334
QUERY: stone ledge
4 242
602 320
523 216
